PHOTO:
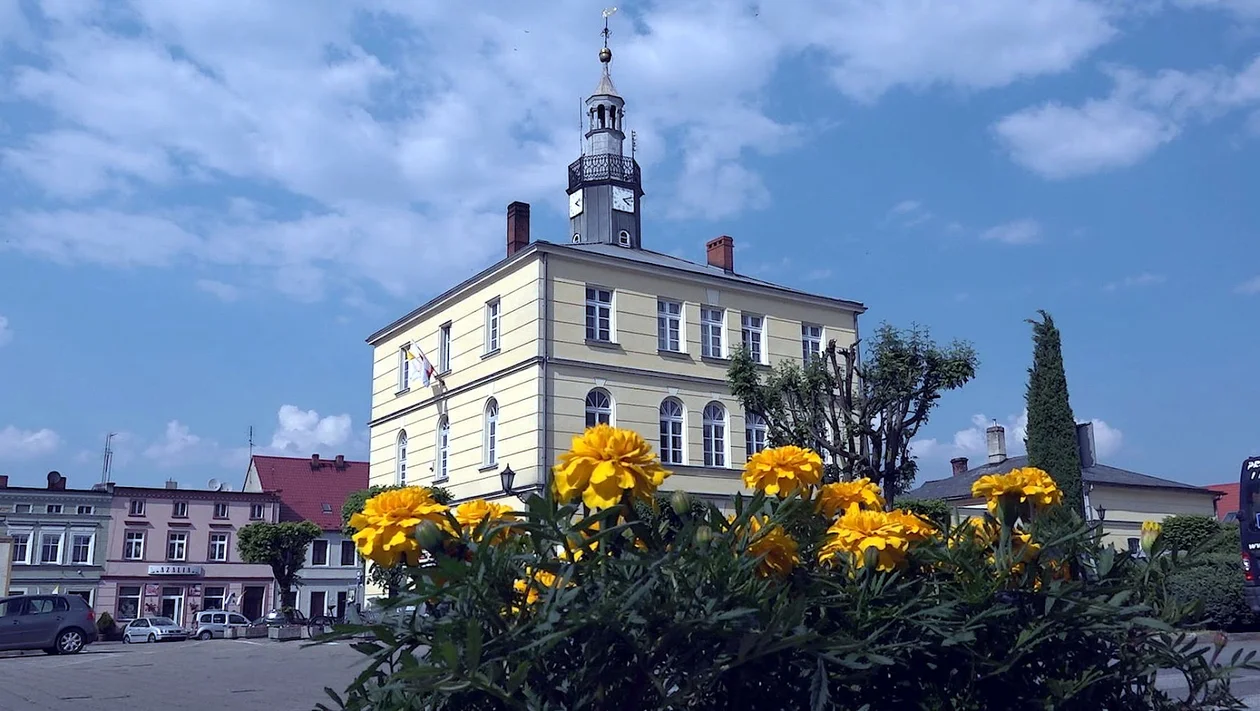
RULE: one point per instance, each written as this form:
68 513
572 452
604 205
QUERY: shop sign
174 570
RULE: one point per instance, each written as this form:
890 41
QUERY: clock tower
605 186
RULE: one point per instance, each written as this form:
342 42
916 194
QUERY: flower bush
804 596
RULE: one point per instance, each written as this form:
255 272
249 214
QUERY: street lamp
1102 512
506 478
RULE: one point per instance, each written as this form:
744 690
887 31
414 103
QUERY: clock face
623 199
575 204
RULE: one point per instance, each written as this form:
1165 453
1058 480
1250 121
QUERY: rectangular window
598 314
752 335
347 553
754 436
128 602
133 546
710 332
669 325
81 548
85 510
177 545
492 326
444 348
22 508
811 341
50 548
21 548
136 507
221 509
179 509
53 508
319 552
219 547
404 368
213 597
256 512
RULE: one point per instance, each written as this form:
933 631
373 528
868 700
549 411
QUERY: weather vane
608 12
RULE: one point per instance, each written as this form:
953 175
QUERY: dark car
283 618
57 624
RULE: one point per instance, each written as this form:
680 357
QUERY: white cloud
1251 286
177 446
370 151
6 332
303 432
1136 281
1107 439
907 213
1016 232
21 444
221 290
972 442
1142 113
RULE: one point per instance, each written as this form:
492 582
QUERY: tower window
623 238
576 238
599 111
612 117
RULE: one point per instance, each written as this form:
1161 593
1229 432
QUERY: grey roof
959 487
606 87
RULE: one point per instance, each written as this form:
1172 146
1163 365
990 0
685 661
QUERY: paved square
241 675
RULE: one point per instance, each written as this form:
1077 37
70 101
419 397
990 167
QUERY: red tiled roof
304 491
1227 503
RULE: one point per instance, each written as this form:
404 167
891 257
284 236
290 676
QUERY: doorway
318 598
173 604
252 602
342 599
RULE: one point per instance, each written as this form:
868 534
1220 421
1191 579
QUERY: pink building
172 552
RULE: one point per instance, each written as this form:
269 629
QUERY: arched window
490 430
441 458
598 408
714 435
599 111
754 433
623 238
671 432
612 117
400 459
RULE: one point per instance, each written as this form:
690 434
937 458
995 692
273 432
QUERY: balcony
590 169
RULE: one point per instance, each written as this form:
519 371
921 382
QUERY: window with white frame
811 341
404 368
599 314
752 334
128 606
133 545
444 348
623 238
21 548
214 597
256 511
490 432
754 433
22 508
400 459
442 459
669 325
220 509
179 509
177 545
50 548
81 548
714 435
492 326
53 508
218 547
598 408
711 332
86 510
136 507
319 552
671 431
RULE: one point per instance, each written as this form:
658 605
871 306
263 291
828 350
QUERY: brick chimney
4 481
959 464
56 482
314 461
1085 442
517 227
996 434
172 484
721 253
340 462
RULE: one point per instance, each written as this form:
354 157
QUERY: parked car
283 618
153 629
57 624
215 623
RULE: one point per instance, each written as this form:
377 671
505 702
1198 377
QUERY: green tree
391 579
862 409
280 545
1052 444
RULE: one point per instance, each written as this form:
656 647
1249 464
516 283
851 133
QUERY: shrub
1188 532
934 510
1215 581
105 624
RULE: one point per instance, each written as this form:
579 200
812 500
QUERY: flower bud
680 502
1150 533
429 536
704 534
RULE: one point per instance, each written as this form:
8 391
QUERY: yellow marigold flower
780 471
387 524
835 499
605 462
534 584
983 531
770 540
1150 532
860 530
917 530
1027 485
470 514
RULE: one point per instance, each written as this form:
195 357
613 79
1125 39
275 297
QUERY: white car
153 629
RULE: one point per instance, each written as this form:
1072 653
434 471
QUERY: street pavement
241 675
1245 684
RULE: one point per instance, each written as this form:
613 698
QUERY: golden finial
605 54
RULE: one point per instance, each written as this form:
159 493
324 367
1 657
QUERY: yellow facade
546 367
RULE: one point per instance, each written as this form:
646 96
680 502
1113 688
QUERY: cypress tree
1052 442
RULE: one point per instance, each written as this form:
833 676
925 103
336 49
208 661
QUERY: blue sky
206 206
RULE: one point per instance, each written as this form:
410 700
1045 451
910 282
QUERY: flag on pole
419 368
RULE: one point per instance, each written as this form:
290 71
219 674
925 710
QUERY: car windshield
163 622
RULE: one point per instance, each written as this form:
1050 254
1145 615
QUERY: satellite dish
225 487
215 485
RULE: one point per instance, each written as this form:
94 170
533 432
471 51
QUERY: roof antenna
107 458
251 441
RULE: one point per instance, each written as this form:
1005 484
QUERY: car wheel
126 639
204 635
70 641
152 637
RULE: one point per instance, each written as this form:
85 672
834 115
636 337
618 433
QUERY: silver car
215 623
153 629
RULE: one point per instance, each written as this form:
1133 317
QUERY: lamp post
506 478
1102 512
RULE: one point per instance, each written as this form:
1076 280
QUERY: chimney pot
56 481
1085 443
340 461
996 434
314 461
517 227
4 481
959 464
721 253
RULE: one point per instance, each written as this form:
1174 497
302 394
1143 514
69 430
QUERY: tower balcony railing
603 167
